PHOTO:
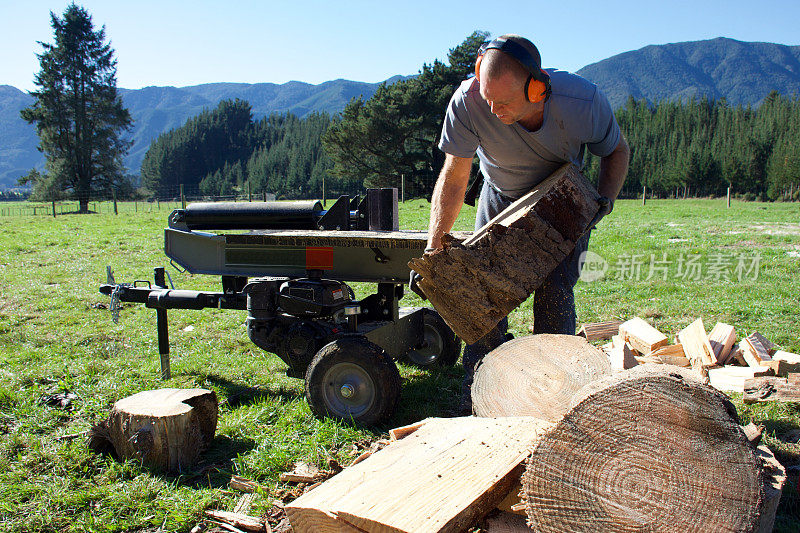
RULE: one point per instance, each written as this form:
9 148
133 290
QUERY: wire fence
17 208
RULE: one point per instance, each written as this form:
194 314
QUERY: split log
781 368
474 283
429 481
642 336
772 389
756 349
722 338
535 376
671 354
165 429
696 345
732 378
647 450
600 331
622 357
789 357
737 356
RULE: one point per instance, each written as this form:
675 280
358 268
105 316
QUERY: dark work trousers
553 302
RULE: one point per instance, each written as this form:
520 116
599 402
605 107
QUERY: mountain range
742 72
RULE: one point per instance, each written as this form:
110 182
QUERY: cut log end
645 451
536 376
165 429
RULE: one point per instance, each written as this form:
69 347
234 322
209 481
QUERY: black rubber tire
354 366
442 347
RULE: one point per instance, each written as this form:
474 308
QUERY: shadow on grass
238 394
434 392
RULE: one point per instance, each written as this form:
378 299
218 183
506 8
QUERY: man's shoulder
571 86
469 89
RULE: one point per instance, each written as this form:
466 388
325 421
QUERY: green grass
56 335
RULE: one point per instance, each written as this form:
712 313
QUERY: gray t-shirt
514 160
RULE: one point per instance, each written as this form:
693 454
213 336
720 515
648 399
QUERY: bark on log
475 283
648 450
165 429
536 376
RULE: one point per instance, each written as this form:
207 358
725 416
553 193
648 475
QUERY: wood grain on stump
650 449
536 376
474 283
165 429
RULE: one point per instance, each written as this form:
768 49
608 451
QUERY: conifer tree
78 114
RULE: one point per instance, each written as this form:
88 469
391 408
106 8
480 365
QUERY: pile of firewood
566 443
717 357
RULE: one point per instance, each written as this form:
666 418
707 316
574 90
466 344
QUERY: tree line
224 151
701 147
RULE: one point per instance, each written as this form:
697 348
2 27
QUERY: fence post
265 195
644 194
249 192
729 196
114 193
402 188
54 209
323 191
183 198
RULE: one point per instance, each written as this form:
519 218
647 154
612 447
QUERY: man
524 123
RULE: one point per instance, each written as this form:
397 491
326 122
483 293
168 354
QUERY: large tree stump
647 450
165 429
474 283
536 376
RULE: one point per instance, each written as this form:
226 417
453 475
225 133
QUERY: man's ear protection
537 86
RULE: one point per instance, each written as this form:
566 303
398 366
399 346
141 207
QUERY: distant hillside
18 140
742 72
156 110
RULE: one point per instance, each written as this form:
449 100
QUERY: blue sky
191 42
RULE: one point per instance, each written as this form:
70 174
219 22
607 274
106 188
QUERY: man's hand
605 206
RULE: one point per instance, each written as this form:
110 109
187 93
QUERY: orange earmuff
537 88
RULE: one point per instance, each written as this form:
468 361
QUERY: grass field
669 262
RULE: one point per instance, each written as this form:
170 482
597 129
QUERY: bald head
496 64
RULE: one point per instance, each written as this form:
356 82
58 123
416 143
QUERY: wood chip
237 520
243 484
302 473
403 431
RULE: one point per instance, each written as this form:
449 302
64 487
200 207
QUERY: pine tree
78 114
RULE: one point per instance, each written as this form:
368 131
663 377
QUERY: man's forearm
448 196
613 169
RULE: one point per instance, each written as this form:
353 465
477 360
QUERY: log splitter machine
289 270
